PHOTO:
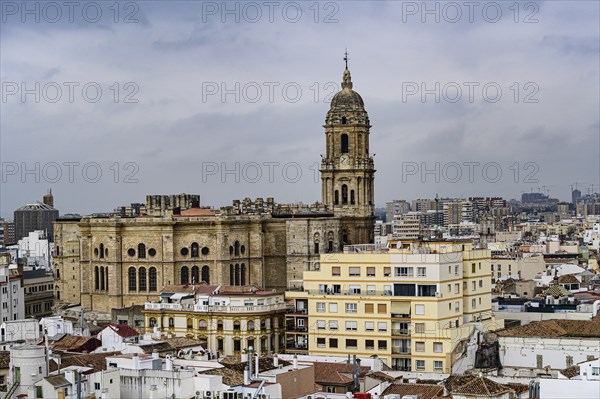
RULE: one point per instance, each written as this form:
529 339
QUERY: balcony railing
402 331
297 346
400 350
215 309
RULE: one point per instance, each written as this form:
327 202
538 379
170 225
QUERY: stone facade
106 262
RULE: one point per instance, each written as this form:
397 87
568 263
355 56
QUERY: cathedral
115 261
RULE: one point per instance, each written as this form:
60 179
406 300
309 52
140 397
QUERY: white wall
569 389
521 353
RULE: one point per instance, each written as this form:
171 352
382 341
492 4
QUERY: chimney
168 363
136 361
244 357
295 362
249 359
275 360
376 363
246 376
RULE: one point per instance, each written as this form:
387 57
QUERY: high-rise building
395 208
35 216
7 232
575 196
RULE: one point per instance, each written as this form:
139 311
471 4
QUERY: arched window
102 278
152 275
237 274
352 197
97 277
345 237
195 250
171 322
152 322
195 275
132 282
231 250
236 325
206 274
58 274
231 275
106 252
237 248
57 250
344 194
220 325
344 120
142 278
344 144
185 275
202 325
336 199
106 282
190 324
243 275
96 252
141 251
101 251
250 326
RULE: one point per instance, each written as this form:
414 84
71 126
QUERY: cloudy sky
106 104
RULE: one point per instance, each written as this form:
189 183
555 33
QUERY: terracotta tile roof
161 347
423 391
336 373
518 388
74 343
381 376
556 291
233 370
230 377
568 279
570 372
123 330
4 359
201 288
480 386
184 342
555 328
95 360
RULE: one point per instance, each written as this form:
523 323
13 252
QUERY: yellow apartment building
413 303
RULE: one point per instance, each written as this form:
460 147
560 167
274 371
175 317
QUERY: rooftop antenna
346 57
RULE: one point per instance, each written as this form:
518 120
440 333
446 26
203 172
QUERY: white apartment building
12 297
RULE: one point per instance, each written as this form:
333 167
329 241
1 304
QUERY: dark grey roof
36 206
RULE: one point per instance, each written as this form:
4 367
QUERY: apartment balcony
401 332
295 311
297 329
400 350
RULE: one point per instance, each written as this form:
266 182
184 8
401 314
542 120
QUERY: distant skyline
188 92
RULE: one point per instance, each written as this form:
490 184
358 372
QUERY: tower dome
347 106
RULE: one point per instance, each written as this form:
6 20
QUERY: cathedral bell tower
347 169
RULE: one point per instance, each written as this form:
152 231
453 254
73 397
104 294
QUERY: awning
400 308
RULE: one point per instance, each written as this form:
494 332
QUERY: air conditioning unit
438 294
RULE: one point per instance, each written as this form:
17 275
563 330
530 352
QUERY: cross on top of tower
346 58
